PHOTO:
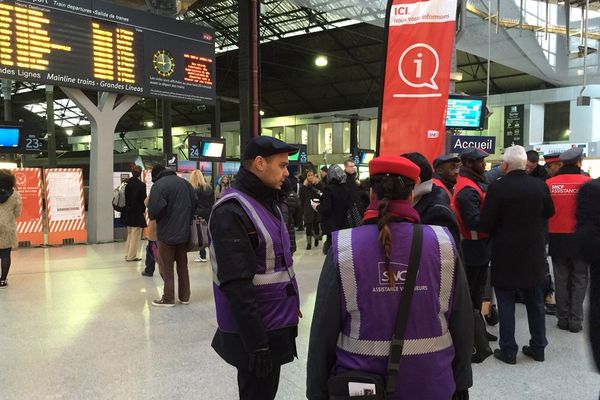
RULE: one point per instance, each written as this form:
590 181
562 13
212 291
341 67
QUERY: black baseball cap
444 159
266 146
473 154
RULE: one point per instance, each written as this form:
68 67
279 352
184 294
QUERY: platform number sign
32 143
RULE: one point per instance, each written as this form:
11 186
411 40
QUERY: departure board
95 45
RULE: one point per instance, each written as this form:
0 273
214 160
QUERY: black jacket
588 238
206 199
135 194
516 211
475 252
434 209
327 325
235 240
308 193
172 204
289 204
539 172
564 245
333 208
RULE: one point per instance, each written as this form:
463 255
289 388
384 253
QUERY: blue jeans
536 316
150 261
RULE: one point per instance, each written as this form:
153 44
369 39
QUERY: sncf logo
398 270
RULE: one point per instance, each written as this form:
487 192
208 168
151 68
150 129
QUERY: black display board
95 45
514 121
206 149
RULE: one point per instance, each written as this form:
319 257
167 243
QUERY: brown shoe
162 303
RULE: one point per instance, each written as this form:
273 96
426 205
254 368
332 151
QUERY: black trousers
477 277
536 317
254 388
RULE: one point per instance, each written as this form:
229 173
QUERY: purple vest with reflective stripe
274 271
370 306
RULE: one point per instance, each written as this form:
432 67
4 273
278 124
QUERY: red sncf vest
439 183
563 191
461 183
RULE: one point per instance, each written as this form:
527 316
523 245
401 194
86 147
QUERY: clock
164 63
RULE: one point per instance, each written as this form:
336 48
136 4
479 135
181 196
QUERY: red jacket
461 183
439 183
563 191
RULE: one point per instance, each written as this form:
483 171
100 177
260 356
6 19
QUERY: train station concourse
195 196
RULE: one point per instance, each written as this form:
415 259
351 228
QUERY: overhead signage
514 121
95 45
206 149
458 144
465 112
419 45
301 157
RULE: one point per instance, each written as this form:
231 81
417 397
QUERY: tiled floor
76 323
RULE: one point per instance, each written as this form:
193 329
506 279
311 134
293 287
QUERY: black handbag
338 385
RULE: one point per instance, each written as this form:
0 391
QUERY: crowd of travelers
412 256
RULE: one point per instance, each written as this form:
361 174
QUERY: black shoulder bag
338 386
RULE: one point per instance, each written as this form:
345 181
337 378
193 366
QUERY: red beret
551 158
394 165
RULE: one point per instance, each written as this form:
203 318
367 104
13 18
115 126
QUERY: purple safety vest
370 306
274 270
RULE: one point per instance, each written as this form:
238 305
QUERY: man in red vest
445 173
570 271
467 203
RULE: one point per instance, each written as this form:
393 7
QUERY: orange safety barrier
30 225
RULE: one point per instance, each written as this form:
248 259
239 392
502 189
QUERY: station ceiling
292 35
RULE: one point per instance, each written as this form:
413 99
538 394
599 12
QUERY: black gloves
461 395
260 362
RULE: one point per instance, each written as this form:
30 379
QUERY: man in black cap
570 270
256 293
467 203
445 173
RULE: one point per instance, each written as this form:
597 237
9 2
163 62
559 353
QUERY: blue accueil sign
458 144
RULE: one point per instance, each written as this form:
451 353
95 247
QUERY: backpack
118 201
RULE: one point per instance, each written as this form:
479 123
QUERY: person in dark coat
172 204
588 238
258 344
445 172
134 213
310 194
289 203
351 185
334 204
206 199
431 201
152 246
535 170
517 208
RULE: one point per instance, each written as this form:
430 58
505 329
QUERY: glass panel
557 122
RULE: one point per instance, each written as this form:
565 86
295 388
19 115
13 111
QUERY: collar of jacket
517 172
421 190
166 172
449 185
569 169
251 185
474 176
399 209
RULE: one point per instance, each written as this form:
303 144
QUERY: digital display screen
206 149
301 157
212 150
100 46
465 112
9 137
366 158
363 156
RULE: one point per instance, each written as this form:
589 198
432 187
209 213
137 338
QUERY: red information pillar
419 43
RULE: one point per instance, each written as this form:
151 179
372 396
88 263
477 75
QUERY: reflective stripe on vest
270 276
381 348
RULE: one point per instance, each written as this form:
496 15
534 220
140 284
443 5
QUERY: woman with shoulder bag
206 199
393 318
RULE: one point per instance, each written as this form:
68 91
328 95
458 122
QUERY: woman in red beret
383 324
